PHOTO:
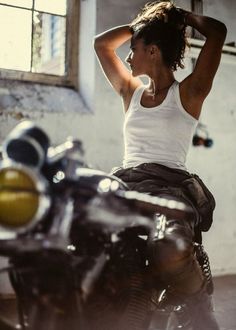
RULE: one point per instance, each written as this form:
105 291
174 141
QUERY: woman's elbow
96 42
101 45
99 41
222 30
218 32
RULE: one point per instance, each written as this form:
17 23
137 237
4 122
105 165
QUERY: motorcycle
75 237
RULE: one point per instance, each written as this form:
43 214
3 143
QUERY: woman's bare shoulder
128 93
191 101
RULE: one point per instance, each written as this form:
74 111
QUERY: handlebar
150 205
123 209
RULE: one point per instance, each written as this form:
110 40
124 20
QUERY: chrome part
160 224
26 136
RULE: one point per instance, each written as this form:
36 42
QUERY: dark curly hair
162 24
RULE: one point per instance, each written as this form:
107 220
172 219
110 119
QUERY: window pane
49 44
52 6
15 36
20 3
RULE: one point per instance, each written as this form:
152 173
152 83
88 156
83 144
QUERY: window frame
70 79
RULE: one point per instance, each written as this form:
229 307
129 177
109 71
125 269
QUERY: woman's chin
134 74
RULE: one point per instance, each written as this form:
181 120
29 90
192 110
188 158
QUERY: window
39 41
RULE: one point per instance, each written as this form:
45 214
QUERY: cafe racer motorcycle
75 238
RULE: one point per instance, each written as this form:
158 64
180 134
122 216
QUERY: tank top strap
136 97
175 87
176 96
172 91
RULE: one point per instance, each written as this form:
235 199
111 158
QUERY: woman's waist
170 161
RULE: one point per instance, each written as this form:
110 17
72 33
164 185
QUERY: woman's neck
160 81
160 86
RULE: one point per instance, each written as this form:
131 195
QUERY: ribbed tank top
161 134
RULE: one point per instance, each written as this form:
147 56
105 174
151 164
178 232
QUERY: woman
160 119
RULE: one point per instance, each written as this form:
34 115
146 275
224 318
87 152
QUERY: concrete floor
224 300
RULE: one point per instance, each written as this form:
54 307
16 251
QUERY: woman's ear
154 50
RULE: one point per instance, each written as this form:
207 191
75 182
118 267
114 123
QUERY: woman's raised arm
199 83
105 45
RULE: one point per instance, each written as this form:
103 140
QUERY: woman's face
138 57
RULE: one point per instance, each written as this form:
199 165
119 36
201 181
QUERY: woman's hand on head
177 17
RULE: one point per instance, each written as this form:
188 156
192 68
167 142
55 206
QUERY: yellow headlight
20 199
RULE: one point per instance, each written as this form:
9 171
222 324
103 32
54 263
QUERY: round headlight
26 144
23 198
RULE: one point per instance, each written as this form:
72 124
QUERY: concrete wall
87 63
223 10
95 115
216 165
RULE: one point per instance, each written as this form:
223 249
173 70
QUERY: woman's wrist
184 14
180 17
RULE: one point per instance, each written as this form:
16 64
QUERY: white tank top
161 134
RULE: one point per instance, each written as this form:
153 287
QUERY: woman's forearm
113 38
207 26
